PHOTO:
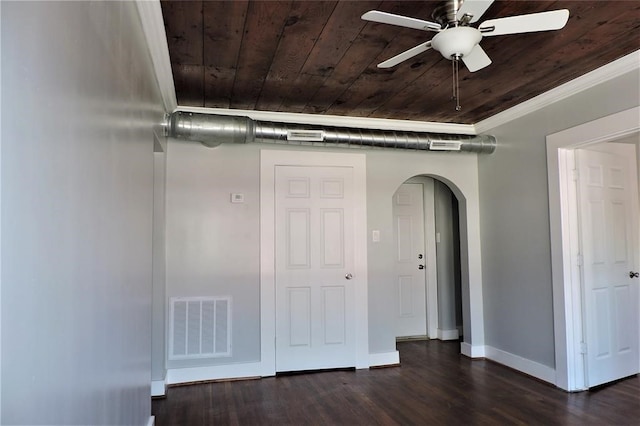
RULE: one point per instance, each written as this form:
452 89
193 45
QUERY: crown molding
600 75
341 121
150 14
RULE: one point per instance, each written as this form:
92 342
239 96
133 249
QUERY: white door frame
567 311
269 160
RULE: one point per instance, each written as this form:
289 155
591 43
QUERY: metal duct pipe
213 130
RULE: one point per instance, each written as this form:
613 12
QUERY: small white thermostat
237 198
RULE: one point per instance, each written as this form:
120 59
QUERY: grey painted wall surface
448 266
159 304
213 245
79 97
516 251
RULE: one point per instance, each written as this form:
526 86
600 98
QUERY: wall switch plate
375 236
237 198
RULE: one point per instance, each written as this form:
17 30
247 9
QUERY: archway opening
428 269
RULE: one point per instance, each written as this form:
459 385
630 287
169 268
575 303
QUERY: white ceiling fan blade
399 20
477 59
473 8
543 21
407 54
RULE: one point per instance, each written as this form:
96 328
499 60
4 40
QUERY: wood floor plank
434 385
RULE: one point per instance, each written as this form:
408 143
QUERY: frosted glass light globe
456 41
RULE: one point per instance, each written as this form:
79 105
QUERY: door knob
348 276
633 274
420 266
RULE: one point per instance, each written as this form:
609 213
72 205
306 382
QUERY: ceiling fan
457 40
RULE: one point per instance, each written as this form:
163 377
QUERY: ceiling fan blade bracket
465 19
472 10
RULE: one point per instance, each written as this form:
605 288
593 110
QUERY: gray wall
79 97
213 245
516 252
158 341
448 258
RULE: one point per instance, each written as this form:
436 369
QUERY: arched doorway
428 278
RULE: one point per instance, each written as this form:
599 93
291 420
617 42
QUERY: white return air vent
200 327
305 135
442 145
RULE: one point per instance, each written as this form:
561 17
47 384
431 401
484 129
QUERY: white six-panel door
315 297
410 288
607 189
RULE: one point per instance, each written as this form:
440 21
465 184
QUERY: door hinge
583 348
575 174
579 260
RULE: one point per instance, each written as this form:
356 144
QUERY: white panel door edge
269 159
566 301
608 204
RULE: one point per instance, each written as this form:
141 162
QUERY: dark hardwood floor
435 385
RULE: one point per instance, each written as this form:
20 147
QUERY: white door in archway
607 208
410 261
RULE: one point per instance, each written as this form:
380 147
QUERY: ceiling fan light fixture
456 42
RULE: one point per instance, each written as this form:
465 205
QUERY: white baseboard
247 370
158 388
151 421
477 351
448 334
244 370
215 372
384 358
524 365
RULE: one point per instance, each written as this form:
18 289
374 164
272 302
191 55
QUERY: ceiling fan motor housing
456 42
446 12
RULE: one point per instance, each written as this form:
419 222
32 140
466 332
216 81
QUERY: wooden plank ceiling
319 57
